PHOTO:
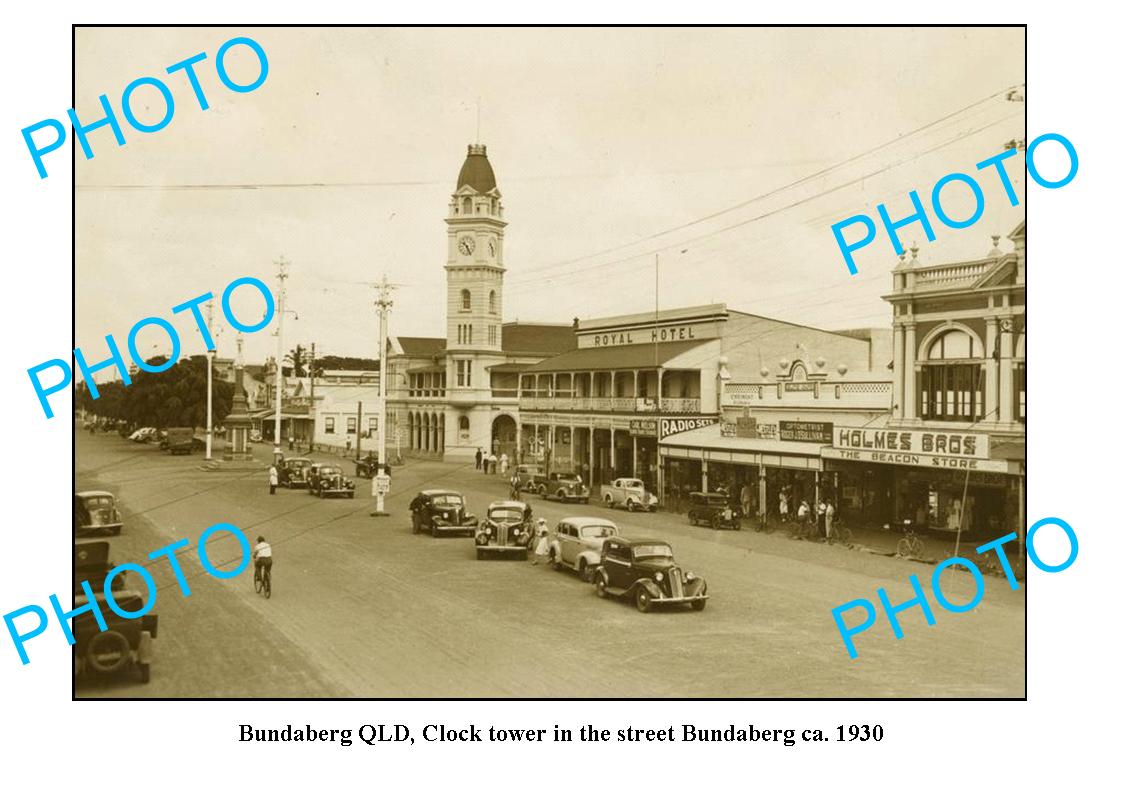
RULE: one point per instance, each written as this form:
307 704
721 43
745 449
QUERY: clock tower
475 259
474 274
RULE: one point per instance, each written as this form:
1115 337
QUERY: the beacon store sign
952 450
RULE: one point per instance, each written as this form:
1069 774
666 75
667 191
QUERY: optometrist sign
932 443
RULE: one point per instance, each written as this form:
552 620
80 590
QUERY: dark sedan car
441 512
715 509
505 530
367 466
644 570
564 487
293 473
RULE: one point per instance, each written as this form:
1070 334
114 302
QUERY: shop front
943 481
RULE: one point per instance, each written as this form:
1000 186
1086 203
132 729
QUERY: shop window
329 425
951 392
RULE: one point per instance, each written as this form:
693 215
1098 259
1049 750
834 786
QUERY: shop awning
620 357
708 444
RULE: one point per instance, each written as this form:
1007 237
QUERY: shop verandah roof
621 357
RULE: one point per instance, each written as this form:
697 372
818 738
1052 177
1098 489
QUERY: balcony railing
950 275
623 405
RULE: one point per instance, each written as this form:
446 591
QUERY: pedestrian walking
829 521
746 501
291 441
503 463
485 463
515 485
821 519
493 460
479 458
542 545
272 479
783 505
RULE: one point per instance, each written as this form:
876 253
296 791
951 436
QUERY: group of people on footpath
489 462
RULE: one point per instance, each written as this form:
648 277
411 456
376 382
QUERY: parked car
577 544
146 434
319 474
564 487
179 440
628 493
331 482
442 512
530 477
96 511
644 570
293 473
367 466
716 509
505 530
125 643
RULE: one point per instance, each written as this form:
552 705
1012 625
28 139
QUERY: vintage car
329 481
319 474
367 466
125 643
96 512
178 440
442 512
505 530
644 570
530 476
628 493
293 473
146 434
564 487
716 509
577 544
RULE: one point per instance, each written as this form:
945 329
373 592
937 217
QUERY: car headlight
659 576
690 576
481 538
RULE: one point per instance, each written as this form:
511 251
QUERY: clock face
491 247
467 245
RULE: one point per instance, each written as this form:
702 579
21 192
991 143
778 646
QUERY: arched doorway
503 436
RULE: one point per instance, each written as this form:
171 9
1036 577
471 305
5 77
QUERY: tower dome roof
476 171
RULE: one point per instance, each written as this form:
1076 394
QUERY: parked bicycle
841 533
911 546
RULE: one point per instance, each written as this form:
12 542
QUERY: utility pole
312 397
359 433
380 484
281 277
210 381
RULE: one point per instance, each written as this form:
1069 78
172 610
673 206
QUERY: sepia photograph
549 363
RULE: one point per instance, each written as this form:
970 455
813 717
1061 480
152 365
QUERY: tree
175 397
296 358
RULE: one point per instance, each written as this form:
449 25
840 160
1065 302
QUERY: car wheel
736 525
416 524
144 672
693 520
552 559
602 585
903 548
643 600
631 505
479 554
699 605
608 501
542 491
583 571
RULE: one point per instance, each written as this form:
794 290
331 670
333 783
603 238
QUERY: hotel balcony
622 405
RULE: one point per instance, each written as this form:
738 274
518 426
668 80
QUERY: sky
729 152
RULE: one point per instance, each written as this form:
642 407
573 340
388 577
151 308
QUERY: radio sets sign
675 425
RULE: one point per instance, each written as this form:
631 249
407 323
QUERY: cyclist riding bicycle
262 558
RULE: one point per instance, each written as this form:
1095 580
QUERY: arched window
1020 377
952 383
799 372
465 299
491 303
467 205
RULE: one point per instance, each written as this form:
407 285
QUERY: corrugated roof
421 346
647 355
538 338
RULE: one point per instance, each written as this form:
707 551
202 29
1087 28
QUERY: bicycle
262 581
841 533
911 546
